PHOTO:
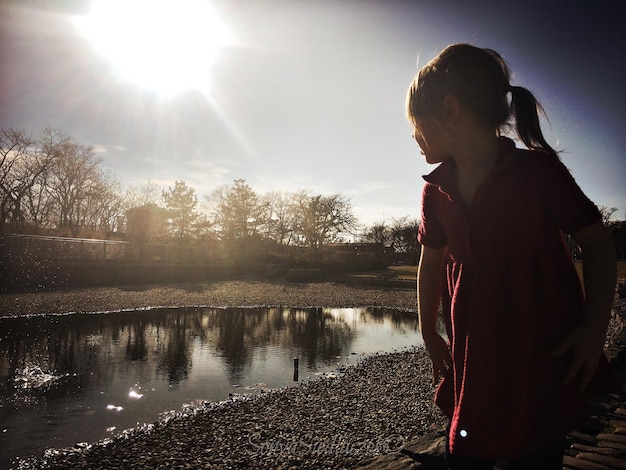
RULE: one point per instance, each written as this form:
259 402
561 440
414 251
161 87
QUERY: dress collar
443 175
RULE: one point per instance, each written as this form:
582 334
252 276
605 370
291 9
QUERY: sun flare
163 45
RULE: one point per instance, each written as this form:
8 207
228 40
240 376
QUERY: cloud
207 167
368 187
102 148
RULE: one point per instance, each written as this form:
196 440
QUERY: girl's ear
451 106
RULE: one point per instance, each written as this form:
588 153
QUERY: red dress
512 294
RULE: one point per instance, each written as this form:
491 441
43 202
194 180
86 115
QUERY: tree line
53 185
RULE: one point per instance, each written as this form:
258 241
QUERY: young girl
525 343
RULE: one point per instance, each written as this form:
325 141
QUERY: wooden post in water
295 369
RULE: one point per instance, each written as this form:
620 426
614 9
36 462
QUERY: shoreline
343 421
234 293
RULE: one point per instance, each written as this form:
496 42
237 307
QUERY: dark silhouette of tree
180 203
404 235
607 213
617 229
378 233
400 237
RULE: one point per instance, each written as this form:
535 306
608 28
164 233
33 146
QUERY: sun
163 45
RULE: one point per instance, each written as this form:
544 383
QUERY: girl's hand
439 354
587 346
599 268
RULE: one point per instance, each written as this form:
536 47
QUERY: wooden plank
612 462
613 445
579 464
584 438
599 450
619 438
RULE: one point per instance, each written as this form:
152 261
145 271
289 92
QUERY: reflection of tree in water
233 336
316 333
175 352
98 350
402 321
136 348
319 334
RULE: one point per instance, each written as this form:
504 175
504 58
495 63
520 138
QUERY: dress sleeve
431 232
570 209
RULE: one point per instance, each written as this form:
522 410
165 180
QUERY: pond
66 379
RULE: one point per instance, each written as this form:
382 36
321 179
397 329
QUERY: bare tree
24 163
404 238
400 237
280 217
38 205
607 213
322 219
75 181
143 194
103 204
378 233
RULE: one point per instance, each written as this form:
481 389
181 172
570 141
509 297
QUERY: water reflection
112 371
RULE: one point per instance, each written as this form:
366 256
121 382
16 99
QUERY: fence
36 247
32 248
40 262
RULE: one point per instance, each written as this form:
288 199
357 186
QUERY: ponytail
525 108
480 79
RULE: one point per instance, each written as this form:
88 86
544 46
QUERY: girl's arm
429 279
600 273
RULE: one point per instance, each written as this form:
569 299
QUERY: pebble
368 409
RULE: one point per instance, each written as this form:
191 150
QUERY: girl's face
432 139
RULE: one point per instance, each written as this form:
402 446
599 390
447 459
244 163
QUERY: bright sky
302 94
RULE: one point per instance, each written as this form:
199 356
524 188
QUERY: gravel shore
214 294
380 407
367 410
